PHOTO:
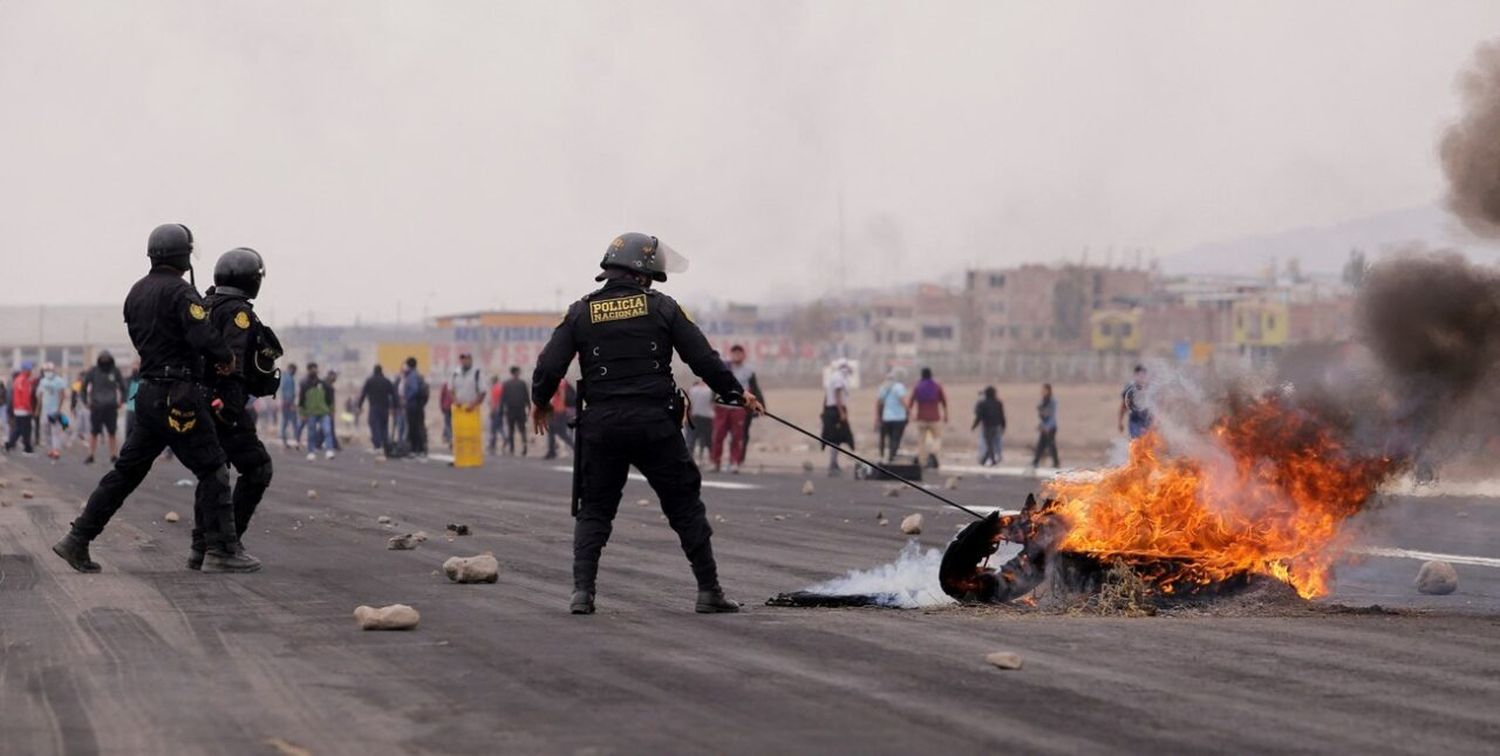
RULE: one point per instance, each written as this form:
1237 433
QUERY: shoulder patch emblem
623 308
196 310
242 320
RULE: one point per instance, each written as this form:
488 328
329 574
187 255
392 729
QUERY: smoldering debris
1470 149
910 582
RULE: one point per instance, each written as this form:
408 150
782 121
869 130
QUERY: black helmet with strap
641 254
171 244
240 270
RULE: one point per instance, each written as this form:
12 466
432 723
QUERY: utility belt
170 375
185 397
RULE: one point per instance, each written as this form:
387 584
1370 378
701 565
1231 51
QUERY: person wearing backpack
414 396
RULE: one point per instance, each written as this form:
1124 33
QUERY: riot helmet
240 270
641 254
171 244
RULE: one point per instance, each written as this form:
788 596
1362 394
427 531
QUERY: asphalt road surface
151 658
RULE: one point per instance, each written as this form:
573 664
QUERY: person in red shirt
445 403
497 412
563 404
23 407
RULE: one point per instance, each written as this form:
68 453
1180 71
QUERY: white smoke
910 582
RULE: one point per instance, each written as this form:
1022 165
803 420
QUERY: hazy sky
463 155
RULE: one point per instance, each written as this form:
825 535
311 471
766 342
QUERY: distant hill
1324 249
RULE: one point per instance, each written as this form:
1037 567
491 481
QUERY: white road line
1427 556
720 484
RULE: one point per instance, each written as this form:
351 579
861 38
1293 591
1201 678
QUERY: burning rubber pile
1268 495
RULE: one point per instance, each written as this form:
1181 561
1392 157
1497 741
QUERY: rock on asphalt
912 524
1004 660
406 542
393 617
475 569
1437 579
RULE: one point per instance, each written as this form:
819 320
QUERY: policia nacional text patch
623 308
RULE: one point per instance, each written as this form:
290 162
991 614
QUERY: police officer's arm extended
551 366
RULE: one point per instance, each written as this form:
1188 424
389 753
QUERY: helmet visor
671 260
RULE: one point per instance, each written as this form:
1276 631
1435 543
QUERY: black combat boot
229 559
712 601
75 551
582 603
584 575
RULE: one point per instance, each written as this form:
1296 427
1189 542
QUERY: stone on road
912 524
475 569
1437 579
393 617
406 542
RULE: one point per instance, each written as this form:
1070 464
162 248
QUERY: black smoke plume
1470 150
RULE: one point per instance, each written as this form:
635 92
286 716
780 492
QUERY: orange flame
1271 500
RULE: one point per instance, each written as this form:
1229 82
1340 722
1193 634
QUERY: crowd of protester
41 409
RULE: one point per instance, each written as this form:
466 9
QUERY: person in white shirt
836 430
468 383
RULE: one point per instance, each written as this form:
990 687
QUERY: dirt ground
148 657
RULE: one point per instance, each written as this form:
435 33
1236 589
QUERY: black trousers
247 454
416 429
891 432
380 425
20 430
612 440
1046 442
168 415
515 424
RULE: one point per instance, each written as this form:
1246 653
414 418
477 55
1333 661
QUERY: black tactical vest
624 339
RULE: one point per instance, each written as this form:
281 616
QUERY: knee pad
218 477
258 476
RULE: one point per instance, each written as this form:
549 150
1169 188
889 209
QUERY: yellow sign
624 308
392 356
242 320
196 310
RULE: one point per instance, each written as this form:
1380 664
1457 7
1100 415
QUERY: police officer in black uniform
169 326
237 278
630 410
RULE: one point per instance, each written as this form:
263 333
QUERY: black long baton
873 465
